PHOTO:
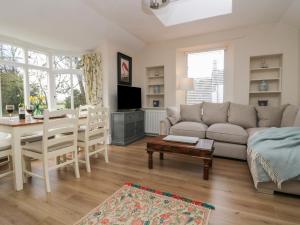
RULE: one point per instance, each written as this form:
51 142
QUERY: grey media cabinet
127 127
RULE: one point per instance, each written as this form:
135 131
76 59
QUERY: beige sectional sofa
230 125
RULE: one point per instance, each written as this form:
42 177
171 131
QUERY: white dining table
17 129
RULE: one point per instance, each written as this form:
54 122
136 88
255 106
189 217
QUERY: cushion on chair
81 134
289 116
191 112
269 116
37 136
242 115
192 129
215 112
5 141
37 146
227 133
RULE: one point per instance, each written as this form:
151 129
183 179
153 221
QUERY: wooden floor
230 189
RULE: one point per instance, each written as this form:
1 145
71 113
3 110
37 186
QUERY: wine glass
29 110
10 109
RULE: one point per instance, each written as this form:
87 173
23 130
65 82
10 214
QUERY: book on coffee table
182 139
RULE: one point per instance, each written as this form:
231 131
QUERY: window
12 87
69 91
20 78
207 70
38 84
12 53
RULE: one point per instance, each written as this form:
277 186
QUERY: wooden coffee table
203 150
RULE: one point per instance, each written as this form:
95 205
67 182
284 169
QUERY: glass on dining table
10 109
29 110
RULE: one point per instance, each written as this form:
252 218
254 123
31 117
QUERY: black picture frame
124 69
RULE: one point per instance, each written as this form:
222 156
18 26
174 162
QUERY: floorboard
229 188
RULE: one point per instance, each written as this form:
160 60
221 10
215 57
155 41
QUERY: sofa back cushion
215 112
289 116
297 120
242 115
173 115
269 116
191 112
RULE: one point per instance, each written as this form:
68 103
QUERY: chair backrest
97 121
60 127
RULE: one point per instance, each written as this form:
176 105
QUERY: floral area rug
137 205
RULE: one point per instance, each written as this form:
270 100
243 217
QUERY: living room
177 112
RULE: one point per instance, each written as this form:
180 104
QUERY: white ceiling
80 25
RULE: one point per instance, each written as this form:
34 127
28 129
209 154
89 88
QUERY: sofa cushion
191 112
215 112
227 132
173 115
297 120
269 116
242 115
192 129
252 131
289 116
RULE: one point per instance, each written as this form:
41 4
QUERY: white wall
109 51
240 44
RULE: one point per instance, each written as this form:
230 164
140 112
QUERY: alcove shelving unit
265 79
155 87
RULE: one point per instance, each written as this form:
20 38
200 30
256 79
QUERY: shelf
265 79
153 77
263 69
155 84
264 92
153 94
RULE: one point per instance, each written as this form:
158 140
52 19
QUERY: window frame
201 51
50 70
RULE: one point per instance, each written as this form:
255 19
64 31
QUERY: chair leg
46 175
24 168
106 152
76 165
87 159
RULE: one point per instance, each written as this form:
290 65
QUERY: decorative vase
37 111
263 86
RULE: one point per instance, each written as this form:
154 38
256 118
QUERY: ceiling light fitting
156 4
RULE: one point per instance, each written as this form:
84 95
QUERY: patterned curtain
93 75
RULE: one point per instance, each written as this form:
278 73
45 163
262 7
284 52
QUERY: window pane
12 53
12 91
63 91
75 62
207 69
79 92
38 83
37 59
62 62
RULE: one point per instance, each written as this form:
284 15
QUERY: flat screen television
129 97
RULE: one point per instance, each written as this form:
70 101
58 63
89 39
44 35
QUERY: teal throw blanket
278 152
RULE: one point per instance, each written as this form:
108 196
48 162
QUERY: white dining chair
5 153
59 138
92 137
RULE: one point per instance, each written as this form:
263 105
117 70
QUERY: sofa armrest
165 126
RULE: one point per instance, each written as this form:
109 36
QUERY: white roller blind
207 70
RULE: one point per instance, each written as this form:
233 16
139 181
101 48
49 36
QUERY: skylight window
183 11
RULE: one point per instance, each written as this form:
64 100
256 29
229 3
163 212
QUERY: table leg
17 160
150 159
161 156
206 169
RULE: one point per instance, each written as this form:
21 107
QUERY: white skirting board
152 120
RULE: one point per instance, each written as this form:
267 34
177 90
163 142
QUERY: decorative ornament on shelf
263 86
263 63
156 4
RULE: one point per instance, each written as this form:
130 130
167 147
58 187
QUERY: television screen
129 97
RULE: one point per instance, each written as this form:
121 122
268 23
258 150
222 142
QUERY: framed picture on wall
124 69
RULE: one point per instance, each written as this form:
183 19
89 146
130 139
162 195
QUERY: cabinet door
129 130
